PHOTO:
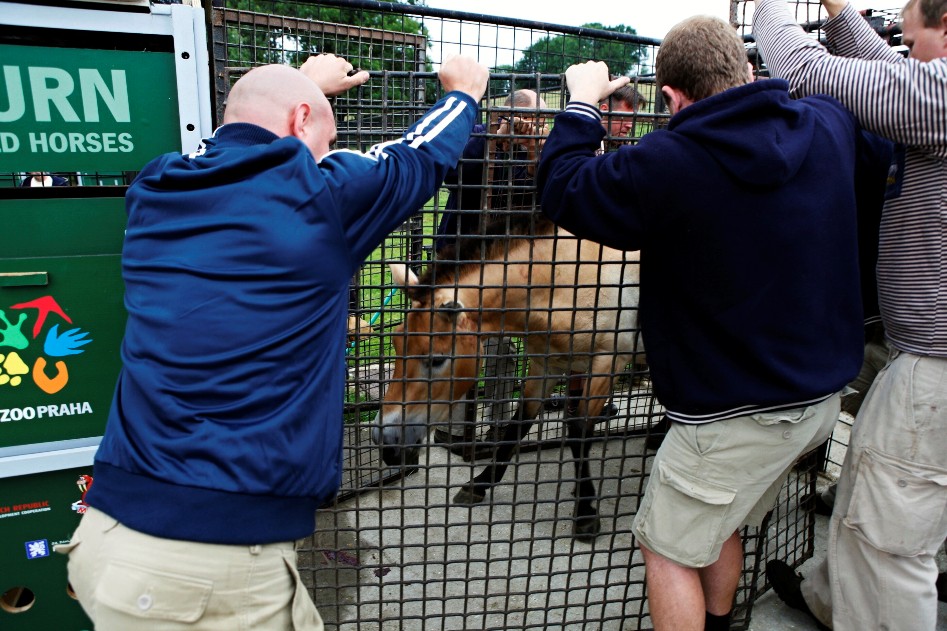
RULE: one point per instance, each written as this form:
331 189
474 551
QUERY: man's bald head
525 99
284 101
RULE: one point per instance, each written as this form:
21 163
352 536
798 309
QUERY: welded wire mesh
397 550
793 544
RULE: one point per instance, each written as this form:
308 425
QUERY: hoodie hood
755 132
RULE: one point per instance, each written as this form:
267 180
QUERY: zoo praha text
44 411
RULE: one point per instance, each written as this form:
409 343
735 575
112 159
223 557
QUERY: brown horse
573 302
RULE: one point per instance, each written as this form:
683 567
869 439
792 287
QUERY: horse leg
476 490
580 419
587 524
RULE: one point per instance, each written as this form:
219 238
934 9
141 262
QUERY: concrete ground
404 556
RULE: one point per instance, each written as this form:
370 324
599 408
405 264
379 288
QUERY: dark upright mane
469 251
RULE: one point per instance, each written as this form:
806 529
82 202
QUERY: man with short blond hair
711 45
889 517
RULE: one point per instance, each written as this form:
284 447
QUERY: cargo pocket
305 615
153 594
898 506
685 517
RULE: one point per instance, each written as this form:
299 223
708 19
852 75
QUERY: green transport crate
38 512
83 89
61 317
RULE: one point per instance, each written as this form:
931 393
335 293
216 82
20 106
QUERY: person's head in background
700 57
529 121
924 29
43 179
533 103
625 100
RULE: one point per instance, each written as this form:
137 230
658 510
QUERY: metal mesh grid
395 550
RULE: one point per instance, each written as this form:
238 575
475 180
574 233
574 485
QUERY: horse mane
501 233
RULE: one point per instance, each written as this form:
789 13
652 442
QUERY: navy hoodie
744 211
226 426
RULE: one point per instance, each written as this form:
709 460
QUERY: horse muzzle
399 440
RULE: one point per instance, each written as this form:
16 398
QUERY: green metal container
37 512
61 317
82 90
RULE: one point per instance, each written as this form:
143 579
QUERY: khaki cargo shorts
709 480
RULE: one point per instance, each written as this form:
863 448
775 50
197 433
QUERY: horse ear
402 275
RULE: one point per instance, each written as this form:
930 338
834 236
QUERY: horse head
437 360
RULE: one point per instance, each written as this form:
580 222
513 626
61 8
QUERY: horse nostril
398 457
391 456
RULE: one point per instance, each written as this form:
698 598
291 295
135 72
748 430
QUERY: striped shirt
906 101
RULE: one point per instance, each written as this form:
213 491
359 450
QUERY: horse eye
437 361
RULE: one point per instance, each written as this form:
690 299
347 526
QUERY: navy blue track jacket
226 425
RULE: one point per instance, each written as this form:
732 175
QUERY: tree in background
255 43
554 54
379 109
376 111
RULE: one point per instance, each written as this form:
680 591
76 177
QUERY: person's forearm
834 7
897 100
578 193
378 190
850 35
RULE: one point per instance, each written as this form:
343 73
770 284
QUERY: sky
650 18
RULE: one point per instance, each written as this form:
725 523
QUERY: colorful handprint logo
55 344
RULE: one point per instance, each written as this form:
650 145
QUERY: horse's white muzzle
398 437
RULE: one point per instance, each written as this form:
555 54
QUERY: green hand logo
12 335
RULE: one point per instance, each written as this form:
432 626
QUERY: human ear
670 98
300 120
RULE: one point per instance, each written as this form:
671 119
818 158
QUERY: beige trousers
890 513
126 580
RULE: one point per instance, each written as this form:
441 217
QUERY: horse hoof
586 529
468 496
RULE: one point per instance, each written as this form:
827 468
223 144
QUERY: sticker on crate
84 483
37 549
47 346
